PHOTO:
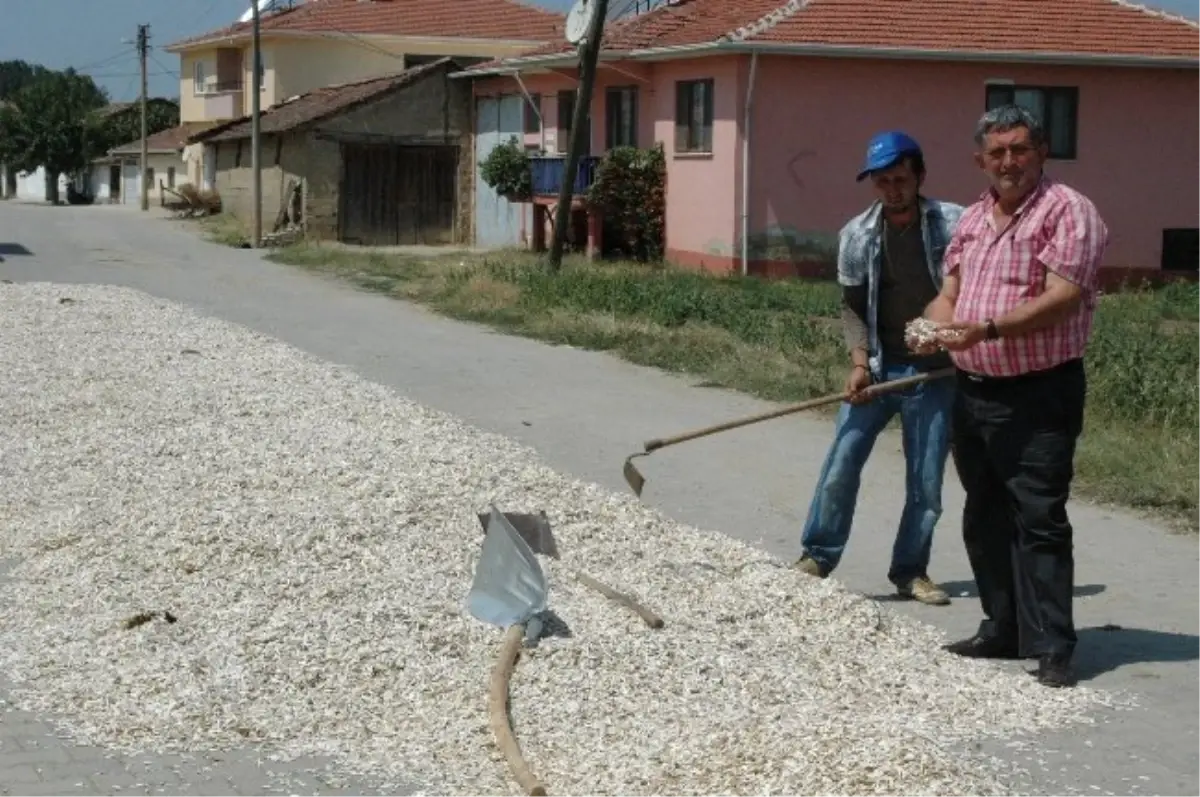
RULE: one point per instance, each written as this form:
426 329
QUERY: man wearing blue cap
890 268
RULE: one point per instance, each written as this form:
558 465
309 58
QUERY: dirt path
1137 610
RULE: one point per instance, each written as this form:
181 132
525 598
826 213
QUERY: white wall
161 164
31 186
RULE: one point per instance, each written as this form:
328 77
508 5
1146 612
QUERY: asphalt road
1138 608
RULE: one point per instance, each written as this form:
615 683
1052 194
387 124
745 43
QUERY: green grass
781 340
225 229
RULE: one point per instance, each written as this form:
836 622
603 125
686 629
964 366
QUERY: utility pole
143 40
590 53
255 142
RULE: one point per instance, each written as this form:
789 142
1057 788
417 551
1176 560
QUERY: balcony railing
223 106
219 86
546 172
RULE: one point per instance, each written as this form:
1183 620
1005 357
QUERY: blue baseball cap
886 149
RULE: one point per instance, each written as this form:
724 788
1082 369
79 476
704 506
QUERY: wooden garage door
395 195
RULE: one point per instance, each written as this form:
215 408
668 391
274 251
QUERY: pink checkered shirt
1057 229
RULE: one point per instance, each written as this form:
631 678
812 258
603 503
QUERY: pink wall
702 211
1137 145
548 85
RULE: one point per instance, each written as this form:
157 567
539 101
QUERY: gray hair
1005 118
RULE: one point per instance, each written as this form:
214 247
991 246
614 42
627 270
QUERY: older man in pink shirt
1016 306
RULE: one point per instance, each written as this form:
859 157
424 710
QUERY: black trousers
1014 447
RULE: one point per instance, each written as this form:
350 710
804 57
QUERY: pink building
764 110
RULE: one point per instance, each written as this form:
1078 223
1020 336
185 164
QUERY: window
621 117
1181 249
198 78
693 115
150 176
248 68
533 110
1056 106
566 113
170 177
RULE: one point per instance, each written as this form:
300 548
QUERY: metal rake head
633 477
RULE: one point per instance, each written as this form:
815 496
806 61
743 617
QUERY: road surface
1137 584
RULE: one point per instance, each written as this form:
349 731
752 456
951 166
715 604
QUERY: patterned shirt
1055 229
860 253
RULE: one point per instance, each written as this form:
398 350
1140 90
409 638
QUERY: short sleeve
954 251
1076 243
851 260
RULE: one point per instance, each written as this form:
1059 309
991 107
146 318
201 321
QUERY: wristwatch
992 332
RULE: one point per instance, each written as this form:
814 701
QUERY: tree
16 75
48 123
126 126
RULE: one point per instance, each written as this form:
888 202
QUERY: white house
116 178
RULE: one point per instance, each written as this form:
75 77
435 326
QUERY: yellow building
327 42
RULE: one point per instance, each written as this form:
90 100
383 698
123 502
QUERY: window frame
199 79
692 136
564 123
533 114
613 107
1006 93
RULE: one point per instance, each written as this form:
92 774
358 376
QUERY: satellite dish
579 20
263 7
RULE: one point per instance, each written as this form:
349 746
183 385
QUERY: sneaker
809 566
925 591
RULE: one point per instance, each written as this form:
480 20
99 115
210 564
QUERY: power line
104 61
106 75
342 34
166 70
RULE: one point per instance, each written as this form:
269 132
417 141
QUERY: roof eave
923 54
133 153
517 65
229 38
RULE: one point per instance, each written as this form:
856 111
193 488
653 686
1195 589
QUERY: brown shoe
923 590
809 566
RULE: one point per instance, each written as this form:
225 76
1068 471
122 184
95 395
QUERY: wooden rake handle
870 392
506 662
628 601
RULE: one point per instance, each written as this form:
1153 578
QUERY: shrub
506 170
630 190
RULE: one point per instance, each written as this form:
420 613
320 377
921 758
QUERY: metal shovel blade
534 529
633 478
509 585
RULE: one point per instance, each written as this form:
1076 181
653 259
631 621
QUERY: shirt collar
989 197
875 217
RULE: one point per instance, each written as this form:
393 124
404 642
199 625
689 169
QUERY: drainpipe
746 164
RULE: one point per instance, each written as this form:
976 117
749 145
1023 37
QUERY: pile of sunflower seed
219 540
921 331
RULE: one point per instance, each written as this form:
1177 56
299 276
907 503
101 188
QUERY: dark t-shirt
905 289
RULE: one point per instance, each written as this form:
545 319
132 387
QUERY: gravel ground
314 536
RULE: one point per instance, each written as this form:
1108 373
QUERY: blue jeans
925 412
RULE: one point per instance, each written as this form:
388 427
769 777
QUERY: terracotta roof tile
319 104
506 20
1074 27
115 108
169 140
1092 27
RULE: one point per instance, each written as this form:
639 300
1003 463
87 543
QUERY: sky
62 33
